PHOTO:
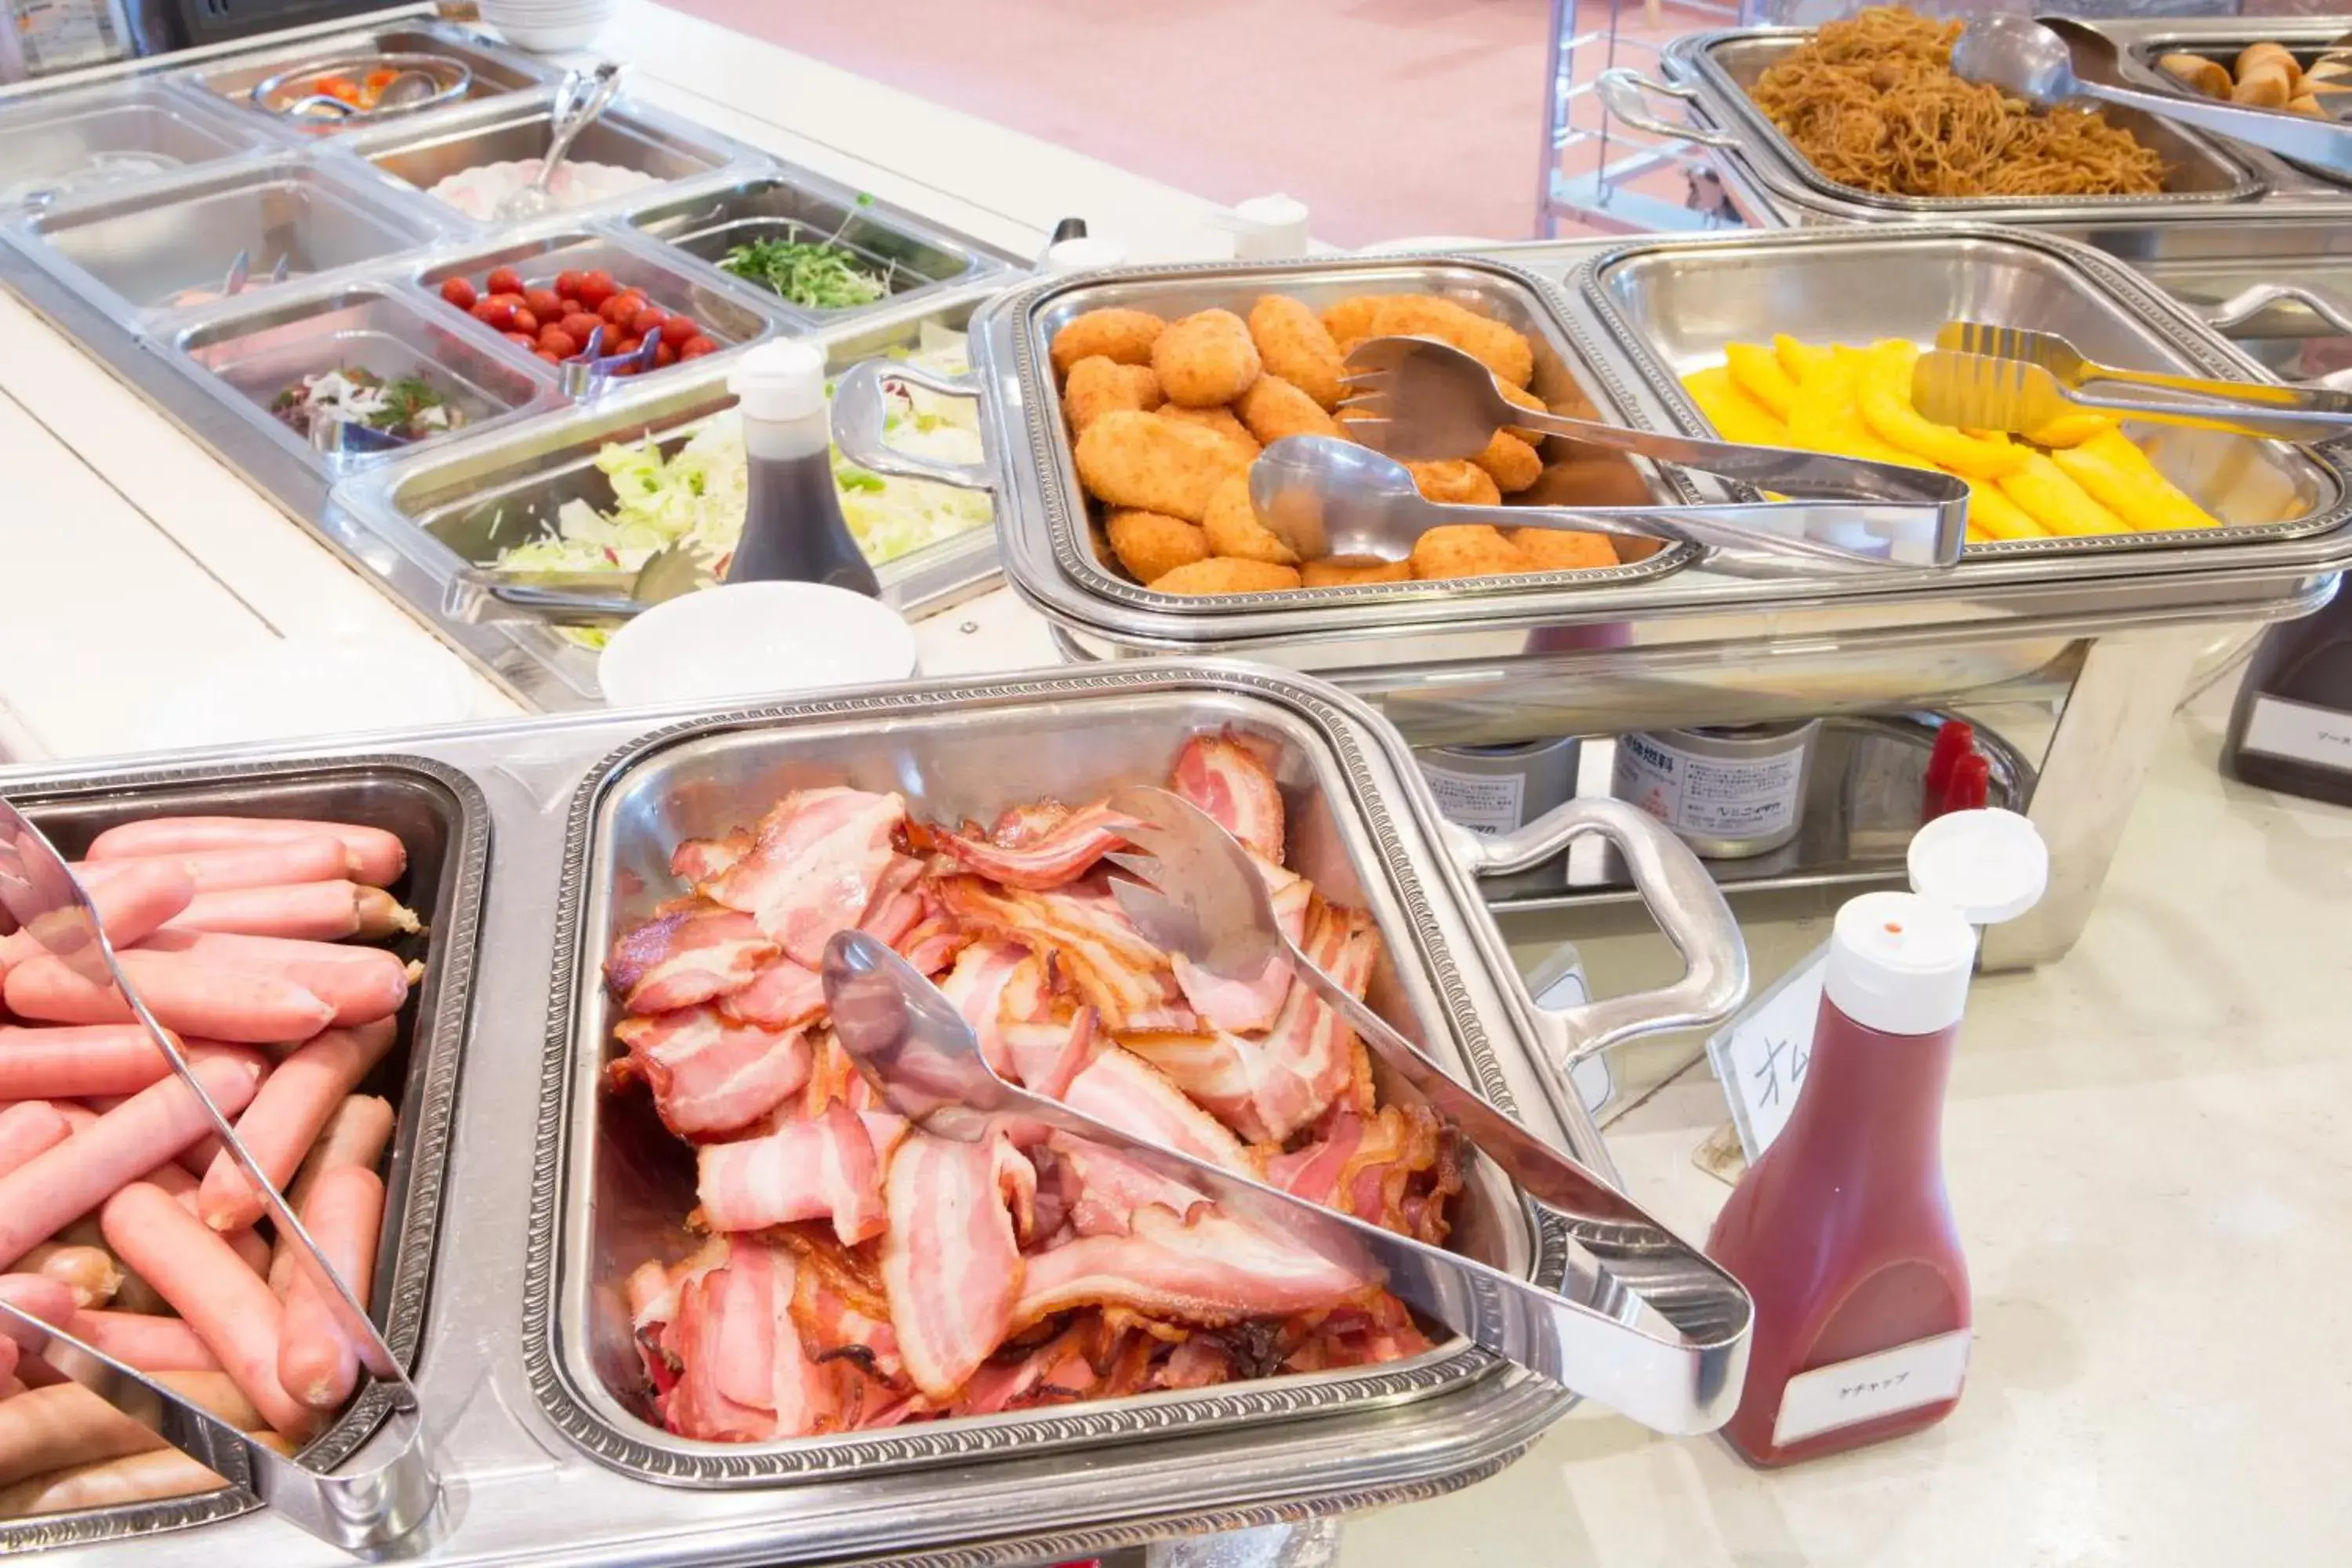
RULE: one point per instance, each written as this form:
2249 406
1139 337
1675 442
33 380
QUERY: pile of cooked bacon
860 1273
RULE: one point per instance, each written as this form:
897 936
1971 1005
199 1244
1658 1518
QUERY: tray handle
2249 302
861 407
1681 897
1623 94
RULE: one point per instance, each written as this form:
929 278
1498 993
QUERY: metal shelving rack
1598 174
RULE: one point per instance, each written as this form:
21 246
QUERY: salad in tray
697 496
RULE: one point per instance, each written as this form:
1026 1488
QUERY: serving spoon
1682 1378
582 97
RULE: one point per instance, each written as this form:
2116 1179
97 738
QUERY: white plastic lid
1900 964
1267 228
1988 865
781 381
1087 253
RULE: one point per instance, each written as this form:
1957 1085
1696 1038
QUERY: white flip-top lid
1901 962
1082 253
782 379
1267 229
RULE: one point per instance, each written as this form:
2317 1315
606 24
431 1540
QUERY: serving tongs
358 1509
2011 378
1420 400
587 373
579 100
2028 60
482 594
1677 1367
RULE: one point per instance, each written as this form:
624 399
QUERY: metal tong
1418 399
1677 1368
586 373
356 1509
2013 378
584 598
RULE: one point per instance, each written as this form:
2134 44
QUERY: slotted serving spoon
357 1509
1682 1376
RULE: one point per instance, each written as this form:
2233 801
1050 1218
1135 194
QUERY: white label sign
1762 1054
1924 1372
1724 797
1483 803
2295 730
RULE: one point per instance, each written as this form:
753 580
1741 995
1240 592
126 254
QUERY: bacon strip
1211 1270
820 855
804 1170
1223 777
949 1262
1037 862
697 860
1082 928
1245 1006
708 1075
782 995
1140 1100
1111 1188
976 986
748 1377
690 953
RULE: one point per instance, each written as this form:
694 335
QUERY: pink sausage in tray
375 855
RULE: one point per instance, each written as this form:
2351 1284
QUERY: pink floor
1388 117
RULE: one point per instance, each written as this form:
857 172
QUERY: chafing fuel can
1494 789
1728 790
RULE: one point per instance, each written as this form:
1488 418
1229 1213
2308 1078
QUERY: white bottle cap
1900 964
1267 229
1085 253
1987 865
780 381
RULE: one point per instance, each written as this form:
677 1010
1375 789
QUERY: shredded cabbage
697 496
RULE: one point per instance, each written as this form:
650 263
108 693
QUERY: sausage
100 1060
314 911
147 1341
375 855
75 1176
88 1272
286 1116
139 1478
77 1116
130 904
360 983
355 1134
316 1362
65 1424
250 1249
225 1302
194 996
38 1294
29 1127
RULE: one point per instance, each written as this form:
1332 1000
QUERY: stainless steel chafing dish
543 1460
443 819
491 72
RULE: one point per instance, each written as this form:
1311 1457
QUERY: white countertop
2146 1142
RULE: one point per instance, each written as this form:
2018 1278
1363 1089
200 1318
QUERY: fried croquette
1154 464
1497 347
1223 422
1099 386
1594 475
1232 529
1123 337
1456 482
1350 320
1224 574
1554 550
1464 549
1207 359
1296 347
1152 544
1526 399
1510 462
1274 408
1346 572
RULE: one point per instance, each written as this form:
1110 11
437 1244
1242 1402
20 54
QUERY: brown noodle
1873 101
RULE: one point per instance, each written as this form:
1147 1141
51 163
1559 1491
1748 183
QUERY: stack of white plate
549 27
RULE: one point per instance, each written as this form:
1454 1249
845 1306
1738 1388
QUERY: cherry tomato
504 280
567 284
629 368
549 356
627 346
595 287
622 309
695 348
578 324
526 321
460 293
649 321
507 295
665 353
556 341
498 313
544 303
525 339
679 331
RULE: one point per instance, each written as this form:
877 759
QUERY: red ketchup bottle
1842 1230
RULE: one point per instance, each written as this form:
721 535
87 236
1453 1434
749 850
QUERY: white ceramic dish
755 639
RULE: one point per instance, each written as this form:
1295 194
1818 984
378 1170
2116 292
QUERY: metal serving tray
525 1489
47 143
914 258
626 1184
444 819
496 72
1676 305
466 503
726 316
2141 41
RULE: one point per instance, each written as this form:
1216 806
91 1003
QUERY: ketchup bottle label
1924 1372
